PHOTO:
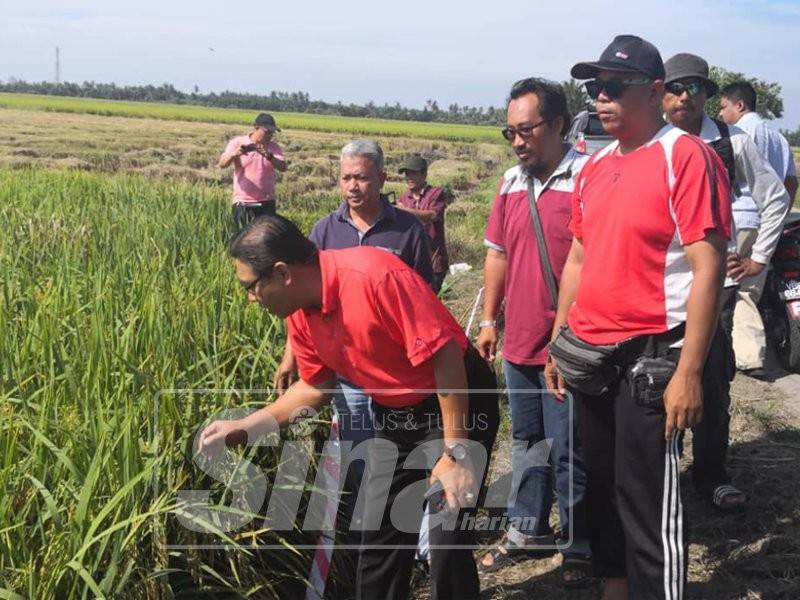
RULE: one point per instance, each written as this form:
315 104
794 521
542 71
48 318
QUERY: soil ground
755 555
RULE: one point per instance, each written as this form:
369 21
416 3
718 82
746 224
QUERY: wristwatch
455 452
487 323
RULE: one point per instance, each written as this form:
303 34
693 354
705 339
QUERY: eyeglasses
524 131
250 287
694 88
614 88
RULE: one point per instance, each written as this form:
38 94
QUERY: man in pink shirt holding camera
255 158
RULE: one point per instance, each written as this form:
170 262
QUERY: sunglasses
524 131
613 88
694 88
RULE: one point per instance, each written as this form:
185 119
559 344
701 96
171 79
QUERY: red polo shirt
379 326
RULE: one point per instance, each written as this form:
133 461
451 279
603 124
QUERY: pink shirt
529 309
253 175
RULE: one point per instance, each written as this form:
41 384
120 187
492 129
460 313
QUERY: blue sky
467 52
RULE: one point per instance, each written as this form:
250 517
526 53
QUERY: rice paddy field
308 122
114 286
123 330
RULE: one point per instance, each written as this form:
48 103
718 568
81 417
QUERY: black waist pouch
586 368
648 379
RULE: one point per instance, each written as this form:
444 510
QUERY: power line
58 66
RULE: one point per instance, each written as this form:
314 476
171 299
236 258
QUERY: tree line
274 101
770 102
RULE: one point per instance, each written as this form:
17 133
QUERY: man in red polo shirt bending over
364 314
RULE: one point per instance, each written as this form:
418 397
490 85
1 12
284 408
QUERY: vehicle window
594 126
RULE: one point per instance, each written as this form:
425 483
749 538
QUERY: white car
586 133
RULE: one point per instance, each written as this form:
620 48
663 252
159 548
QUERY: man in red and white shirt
255 158
364 314
651 218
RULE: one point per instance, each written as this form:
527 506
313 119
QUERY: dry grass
190 150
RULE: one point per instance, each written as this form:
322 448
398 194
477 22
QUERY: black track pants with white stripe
633 501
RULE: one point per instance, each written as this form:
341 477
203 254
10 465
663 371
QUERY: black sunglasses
525 131
694 88
614 88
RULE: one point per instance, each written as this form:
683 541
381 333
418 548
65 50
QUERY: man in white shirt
687 87
738 104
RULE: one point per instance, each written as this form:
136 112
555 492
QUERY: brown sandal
503 554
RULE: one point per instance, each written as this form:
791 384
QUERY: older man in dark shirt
366 218
427 203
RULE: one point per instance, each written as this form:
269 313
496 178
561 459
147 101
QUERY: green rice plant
113 288
288 120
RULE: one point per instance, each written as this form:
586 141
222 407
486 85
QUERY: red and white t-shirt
529 308
634 213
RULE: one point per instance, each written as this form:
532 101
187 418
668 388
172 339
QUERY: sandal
728 499
576 572
507 553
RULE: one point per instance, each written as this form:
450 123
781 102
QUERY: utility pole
58 66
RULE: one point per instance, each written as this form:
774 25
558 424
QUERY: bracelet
487 323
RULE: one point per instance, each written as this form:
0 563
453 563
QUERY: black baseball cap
627 53
689 66
266 121
415 163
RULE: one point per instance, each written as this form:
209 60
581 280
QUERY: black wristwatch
455 452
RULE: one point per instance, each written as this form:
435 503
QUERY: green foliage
770 103
793 137
111 290
577 99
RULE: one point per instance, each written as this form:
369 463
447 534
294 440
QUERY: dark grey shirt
396 231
